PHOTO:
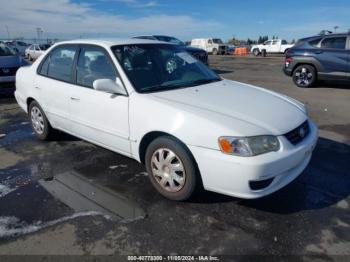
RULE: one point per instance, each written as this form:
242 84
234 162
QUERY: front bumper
231 175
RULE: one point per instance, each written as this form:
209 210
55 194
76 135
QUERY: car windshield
169 39
160 67
217 41
5 50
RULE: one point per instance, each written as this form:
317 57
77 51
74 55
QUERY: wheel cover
303 76
37 119
168 170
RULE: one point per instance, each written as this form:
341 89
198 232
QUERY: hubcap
168 170
303 76
37 120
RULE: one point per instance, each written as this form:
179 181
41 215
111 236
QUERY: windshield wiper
180 85
201 82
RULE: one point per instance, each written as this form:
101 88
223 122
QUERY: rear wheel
39 122
304 76
256 52
171 168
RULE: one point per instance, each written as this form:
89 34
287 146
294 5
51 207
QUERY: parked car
35 50
157 104
213 46
276 46
10 61
19 46
322 57
198 53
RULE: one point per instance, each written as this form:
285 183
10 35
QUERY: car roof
111 42
325 35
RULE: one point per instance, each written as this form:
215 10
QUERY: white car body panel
197 116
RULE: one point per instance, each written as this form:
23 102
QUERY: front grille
298 134
8 71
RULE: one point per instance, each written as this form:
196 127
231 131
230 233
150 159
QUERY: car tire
215 51
305 76
256 52
39 122
172 168
30 58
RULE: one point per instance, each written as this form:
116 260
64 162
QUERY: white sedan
35 50
153 102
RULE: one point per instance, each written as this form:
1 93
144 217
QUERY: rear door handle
75 99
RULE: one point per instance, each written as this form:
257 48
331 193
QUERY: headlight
248 146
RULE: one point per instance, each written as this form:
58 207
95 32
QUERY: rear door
53 84
97 116
334 57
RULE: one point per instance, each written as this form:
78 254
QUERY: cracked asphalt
308 217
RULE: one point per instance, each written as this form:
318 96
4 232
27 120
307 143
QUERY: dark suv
322 57
198 53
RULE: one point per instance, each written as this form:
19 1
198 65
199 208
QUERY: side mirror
109 86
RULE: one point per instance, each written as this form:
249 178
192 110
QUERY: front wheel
304 76
171 168
215 51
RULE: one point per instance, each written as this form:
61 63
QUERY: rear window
315 42
334 43
58 64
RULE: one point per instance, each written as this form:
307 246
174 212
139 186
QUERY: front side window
159 67
60 63
93 64
267 42
284 42
274 42
217 41
334 43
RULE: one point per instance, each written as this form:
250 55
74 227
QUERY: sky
185 19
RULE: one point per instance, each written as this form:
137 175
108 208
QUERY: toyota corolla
153 102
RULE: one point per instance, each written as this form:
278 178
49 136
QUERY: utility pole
39 32
335 28
8 32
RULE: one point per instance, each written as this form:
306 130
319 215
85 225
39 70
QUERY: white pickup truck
276 46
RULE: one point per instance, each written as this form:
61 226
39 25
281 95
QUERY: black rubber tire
49 132
192 182
30 58
310 69
256 52
215 51
263 53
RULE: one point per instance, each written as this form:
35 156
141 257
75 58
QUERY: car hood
10 61
273 112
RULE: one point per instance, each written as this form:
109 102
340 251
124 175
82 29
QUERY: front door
97 116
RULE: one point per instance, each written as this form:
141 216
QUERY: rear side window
93 64
58 64
334 43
